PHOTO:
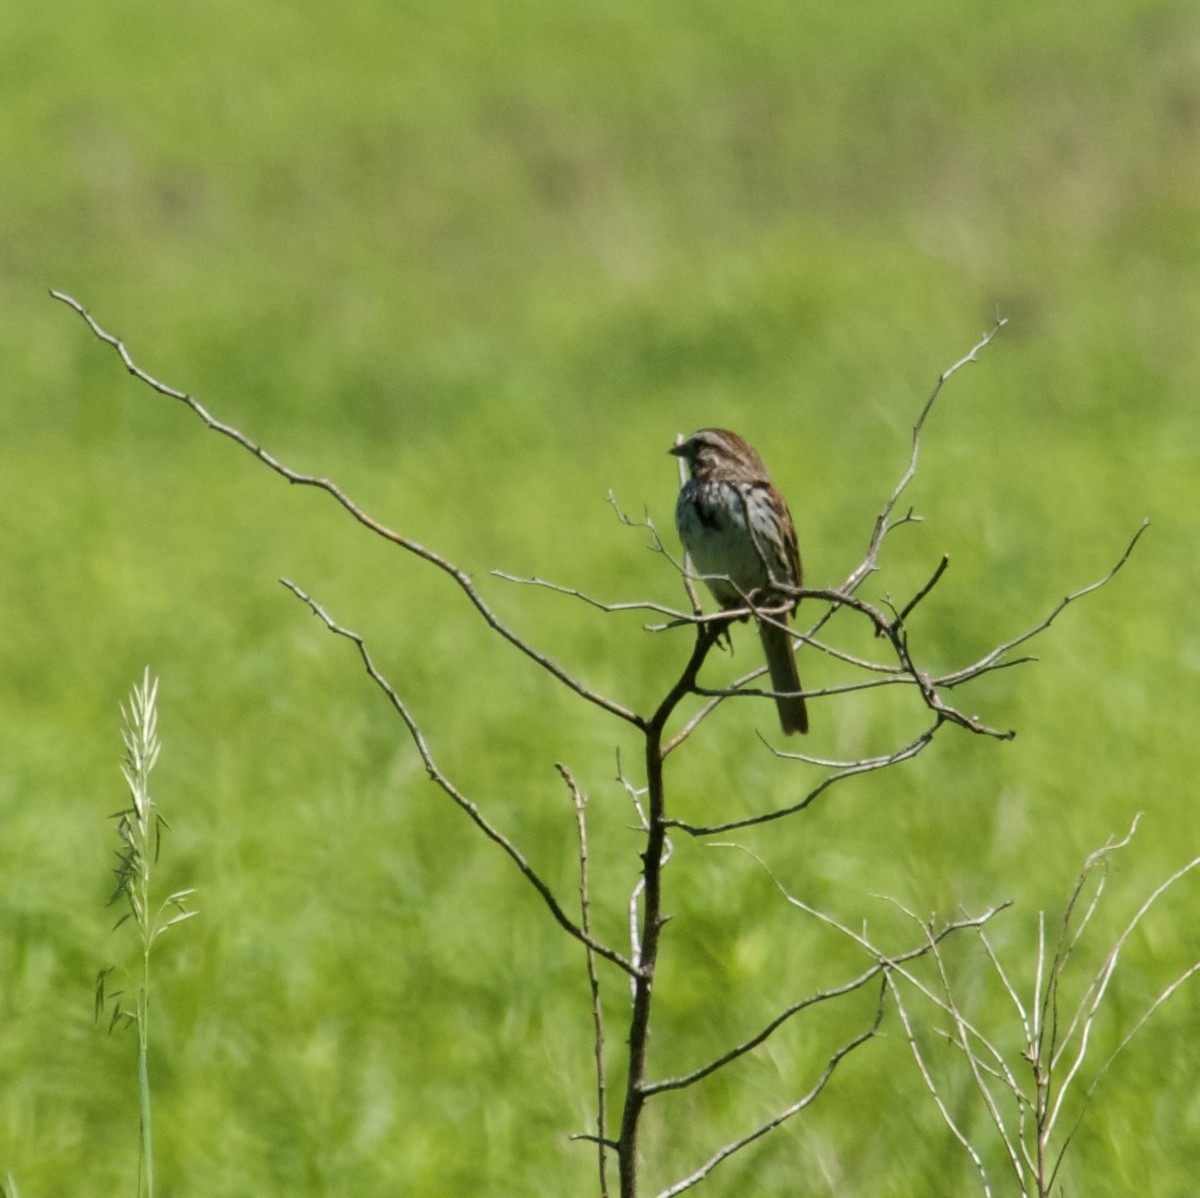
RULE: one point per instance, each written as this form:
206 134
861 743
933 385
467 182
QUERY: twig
892 629
676 617
907 672
884 523
443 782
1048 1048
298 478
964 1032
602 1142
635 896
933 581
769 1125
992 658
683 1081
1068 939
1009 988
1095 995
867 765
931 1086
880 962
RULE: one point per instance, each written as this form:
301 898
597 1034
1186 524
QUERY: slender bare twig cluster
663 730
1035 1097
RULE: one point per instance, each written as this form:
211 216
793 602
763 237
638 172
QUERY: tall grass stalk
139 830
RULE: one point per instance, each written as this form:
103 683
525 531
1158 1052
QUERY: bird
738 531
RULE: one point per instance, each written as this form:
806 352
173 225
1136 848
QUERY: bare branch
880 962
661 609
884 523
968 1033
933 581
1068 939
636 796
656 542
964 1033
1040 972
993 658
1096 991
867 765
472 810
1048 1049
603 1144
906 672
1094 996
763 1034
771 1124
1009 988
947 1118
892 629
692 724
330 488
895 672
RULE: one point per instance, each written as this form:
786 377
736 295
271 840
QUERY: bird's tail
785 678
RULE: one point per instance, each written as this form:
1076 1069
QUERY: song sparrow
738 531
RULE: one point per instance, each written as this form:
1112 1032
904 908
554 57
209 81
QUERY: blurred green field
480 263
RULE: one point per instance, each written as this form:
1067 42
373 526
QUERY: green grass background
480 262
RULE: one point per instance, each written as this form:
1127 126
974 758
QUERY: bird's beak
676 450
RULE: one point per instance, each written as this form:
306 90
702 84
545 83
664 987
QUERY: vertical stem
643 990
144 816
143 1005
137 829
146 928
652 917
585 922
